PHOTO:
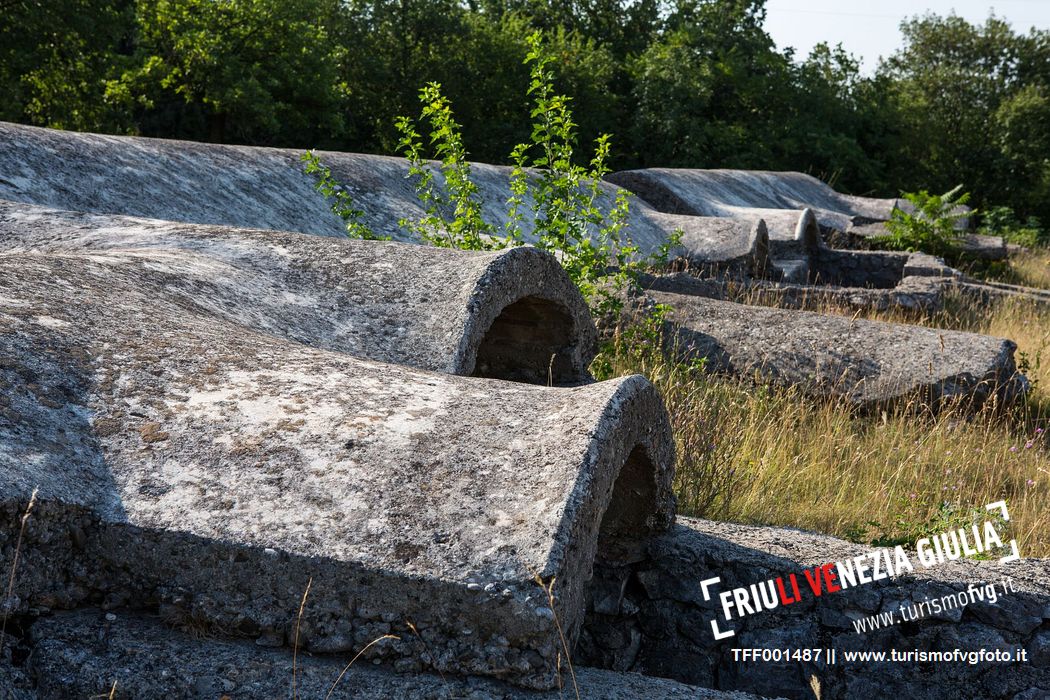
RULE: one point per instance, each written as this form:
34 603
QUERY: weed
341 202
766 455
1001 221
931 228
569 211
548 590
14 570
346 668
295 645
452 216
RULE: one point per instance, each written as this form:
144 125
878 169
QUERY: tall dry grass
1028 269
1032 269
756 454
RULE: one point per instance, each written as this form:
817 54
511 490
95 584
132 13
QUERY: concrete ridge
431 308
869 363
266 188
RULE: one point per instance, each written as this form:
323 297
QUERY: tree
712 91
55 59
256 71
966 96
1022 128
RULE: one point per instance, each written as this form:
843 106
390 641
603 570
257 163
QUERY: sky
871 29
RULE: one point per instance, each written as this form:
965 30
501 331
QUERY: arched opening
626 522
611 636
531 341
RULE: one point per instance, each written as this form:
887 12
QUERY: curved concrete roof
266 188
197 453
431 308
751 194
866 362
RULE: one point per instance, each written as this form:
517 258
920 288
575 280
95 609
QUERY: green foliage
256 70
566 198
931 227
971 106
55 58
453 212
341 202
569 220
683 83
906 530
1001 221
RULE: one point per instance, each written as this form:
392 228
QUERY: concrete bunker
228 467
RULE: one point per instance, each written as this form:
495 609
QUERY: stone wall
652 617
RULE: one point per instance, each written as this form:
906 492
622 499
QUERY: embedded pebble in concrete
149 660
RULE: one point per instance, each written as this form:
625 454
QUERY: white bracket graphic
1001 507
719 634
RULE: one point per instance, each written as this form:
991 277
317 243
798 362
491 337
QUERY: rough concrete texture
266 188
82 654
186 460
751 194
795 244
917 293
512 314
990 291
713 246
914 293
865 362
157 178
858 268
652 618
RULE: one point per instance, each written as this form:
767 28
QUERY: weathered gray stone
987 291
162 179
266 188
713 246
185 459
666 587
751 194
512 314
865 362
82 654
913 293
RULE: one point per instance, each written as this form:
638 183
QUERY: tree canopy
683 83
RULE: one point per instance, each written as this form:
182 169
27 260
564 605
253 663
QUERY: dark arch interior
625 524
531 341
